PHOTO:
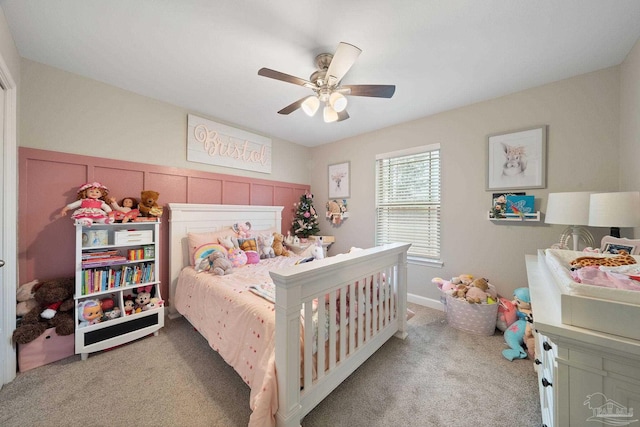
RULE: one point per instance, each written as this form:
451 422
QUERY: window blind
408 200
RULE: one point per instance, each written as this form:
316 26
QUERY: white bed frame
380 314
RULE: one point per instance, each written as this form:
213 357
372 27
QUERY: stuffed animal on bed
278 245
220 265
242 229
265 248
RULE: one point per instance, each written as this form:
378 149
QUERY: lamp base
574 234
614 232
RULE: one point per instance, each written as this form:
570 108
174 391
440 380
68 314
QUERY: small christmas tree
305 223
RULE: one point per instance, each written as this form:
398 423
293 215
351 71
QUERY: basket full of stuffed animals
470 305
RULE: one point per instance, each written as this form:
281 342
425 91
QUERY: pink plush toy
237 257
243 230
506 314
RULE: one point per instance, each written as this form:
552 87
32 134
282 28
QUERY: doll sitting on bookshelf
91 206
126 211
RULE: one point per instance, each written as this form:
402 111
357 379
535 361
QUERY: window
408 200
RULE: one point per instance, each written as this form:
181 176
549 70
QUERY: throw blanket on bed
265 290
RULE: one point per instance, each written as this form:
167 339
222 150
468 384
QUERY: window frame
423 259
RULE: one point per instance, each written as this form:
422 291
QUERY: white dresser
585 377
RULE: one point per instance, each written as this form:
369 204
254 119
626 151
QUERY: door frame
9 216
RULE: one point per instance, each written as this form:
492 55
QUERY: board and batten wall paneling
49 180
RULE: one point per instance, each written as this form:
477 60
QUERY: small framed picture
517 160
339 184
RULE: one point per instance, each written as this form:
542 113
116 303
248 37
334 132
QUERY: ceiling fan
325 83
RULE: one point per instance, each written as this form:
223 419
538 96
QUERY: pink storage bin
47 348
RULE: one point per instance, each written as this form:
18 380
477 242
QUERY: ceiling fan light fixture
338 101
310 105
329 114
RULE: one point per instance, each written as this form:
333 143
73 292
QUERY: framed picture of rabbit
517 160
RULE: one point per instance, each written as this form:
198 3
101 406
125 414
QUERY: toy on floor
519 335
91 205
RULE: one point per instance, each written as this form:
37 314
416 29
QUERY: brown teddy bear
148 205
55 309
278 246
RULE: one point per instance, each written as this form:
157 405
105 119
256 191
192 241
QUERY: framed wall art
339 181
517 160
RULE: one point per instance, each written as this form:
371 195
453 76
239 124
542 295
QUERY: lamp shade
570 208
338 101
329 114
621 209
310 105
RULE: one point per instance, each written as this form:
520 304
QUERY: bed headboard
187 218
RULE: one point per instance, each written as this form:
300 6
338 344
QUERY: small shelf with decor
513 207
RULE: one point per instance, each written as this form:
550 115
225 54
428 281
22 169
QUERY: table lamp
615 210
570 209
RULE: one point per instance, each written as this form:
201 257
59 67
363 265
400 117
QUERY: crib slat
322 321
333 329
367 311
353 324
308 344
343 321
376 306
361 310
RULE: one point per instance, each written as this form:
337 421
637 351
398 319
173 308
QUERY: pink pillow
196 240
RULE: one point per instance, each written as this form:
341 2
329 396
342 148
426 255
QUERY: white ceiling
204 55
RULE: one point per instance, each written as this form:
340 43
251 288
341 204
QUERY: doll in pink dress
91 206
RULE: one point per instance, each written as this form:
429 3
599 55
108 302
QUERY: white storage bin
133 237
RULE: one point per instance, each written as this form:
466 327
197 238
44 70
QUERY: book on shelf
102 279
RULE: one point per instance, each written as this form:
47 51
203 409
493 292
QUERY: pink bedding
239 325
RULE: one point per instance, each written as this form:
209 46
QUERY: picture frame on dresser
517 160
613 245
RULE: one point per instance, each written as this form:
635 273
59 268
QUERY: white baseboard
426 302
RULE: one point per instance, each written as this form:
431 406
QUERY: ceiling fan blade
377 91
273 74
343 59
292 107
342 115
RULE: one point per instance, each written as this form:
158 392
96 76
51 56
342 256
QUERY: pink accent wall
49 181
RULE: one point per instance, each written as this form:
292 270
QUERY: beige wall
583 118
68 113
630 120
8 49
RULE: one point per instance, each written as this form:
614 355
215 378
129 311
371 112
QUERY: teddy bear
25 295
278 245
54 310
480 291
148 205
265 248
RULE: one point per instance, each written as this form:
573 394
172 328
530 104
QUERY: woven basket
477 319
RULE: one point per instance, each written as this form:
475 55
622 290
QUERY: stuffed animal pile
465 287
54 309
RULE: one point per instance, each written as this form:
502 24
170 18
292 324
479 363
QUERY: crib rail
348 306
